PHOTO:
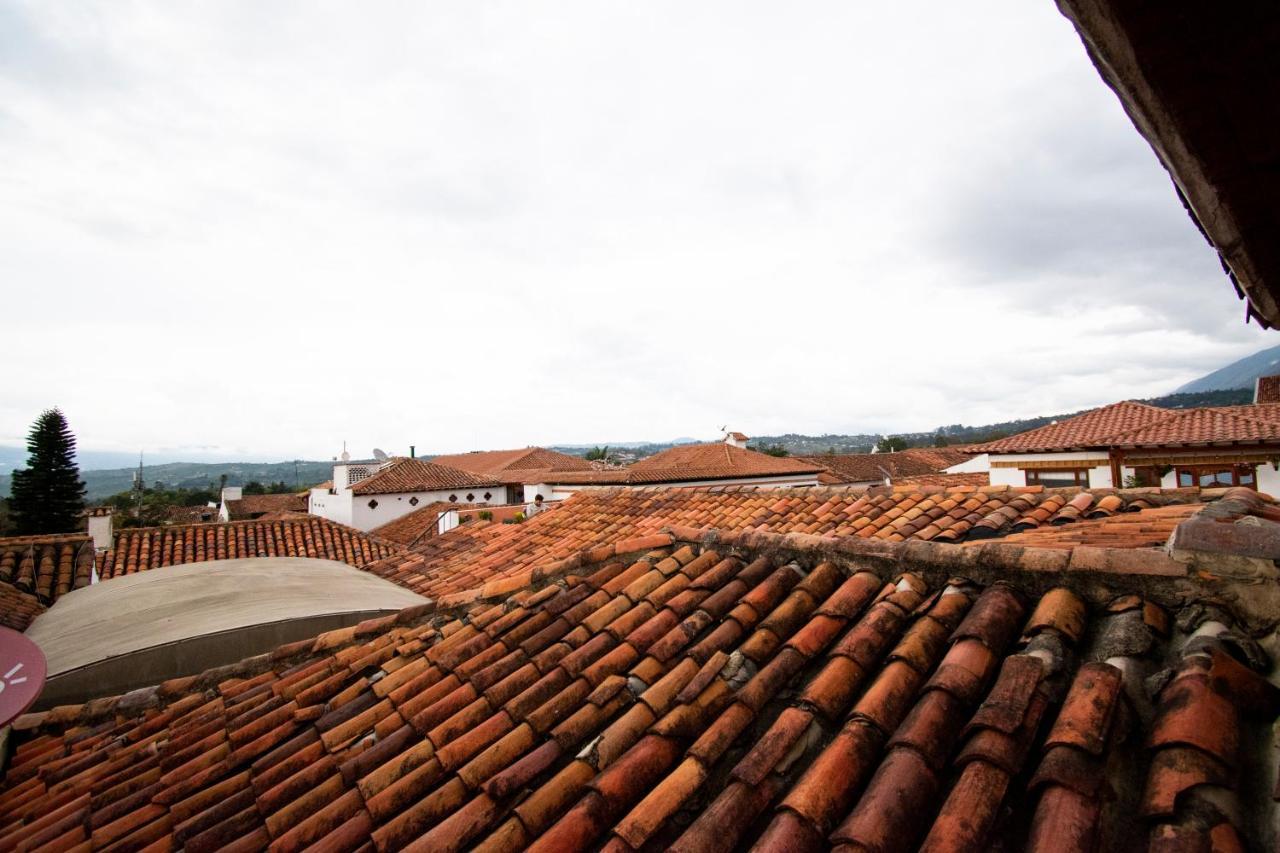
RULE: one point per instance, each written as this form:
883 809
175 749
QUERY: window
1217 476
1146 475
1059 479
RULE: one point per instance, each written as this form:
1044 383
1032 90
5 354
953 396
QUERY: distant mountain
192 475
1238 374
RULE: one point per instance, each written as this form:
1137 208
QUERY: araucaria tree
48 496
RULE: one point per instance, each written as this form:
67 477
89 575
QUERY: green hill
194 475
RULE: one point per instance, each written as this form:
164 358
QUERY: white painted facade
1268 478
979 464
1099 475
100 531
365 512
229 493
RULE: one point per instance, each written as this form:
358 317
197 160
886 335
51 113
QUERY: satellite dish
380 455
22 673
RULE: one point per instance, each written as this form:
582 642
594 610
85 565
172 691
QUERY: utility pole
138 487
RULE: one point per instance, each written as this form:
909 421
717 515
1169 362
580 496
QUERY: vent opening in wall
471 496
413 501
488 495
453 499
373 503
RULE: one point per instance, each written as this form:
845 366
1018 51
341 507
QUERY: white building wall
100 531
392 506
1268 480
1099 477
1008 477
979 464
335 507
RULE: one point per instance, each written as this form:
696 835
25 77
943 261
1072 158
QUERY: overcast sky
260 229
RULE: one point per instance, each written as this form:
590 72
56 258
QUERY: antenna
380 455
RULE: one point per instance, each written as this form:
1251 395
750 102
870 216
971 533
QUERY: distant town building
1131 443
721 463
365 494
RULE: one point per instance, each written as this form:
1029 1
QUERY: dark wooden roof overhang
1201 82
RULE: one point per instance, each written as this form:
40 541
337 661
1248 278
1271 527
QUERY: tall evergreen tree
48 496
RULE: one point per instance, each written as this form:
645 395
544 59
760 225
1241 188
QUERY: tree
597 454
940 439
890 444
771 450
48 495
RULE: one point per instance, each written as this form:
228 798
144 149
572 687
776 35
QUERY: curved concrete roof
143 628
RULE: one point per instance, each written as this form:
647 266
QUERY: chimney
736 439
100 527
412 451
1267 389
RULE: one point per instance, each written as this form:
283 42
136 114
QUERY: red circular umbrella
22 672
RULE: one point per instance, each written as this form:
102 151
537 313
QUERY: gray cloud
464 225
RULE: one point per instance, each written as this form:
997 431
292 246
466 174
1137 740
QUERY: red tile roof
713 461
694 698
1204 426
1267 389
254 506
1090 429
871 467
142 548
463 559
36 570
1146 528
1130 424
413 527
190 514
417 475
974 479
693 462
500 462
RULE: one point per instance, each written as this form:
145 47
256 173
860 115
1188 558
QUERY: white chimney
100 527
736 439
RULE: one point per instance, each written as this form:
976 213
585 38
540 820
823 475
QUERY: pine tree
48 496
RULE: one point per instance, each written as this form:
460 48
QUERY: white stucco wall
392 506
1099 477
100 531
1268 480
1008 477
978 464
333 507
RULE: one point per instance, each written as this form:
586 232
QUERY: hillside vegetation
195 475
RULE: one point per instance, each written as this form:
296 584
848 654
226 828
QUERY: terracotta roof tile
36 570
141 548
551 542
501 463
902 466
754 688
1131 424
418 475
255 506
